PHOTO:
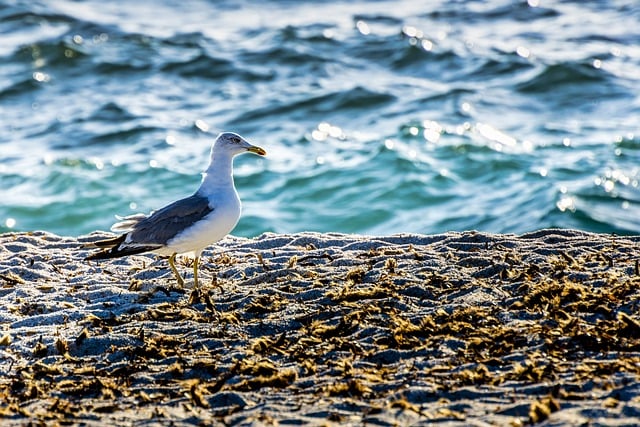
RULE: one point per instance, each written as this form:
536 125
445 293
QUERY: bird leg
172 260
195 272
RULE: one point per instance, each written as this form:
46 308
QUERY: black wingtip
106 243
117 253
111 249
101 255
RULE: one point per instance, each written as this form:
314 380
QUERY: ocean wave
19 88
309 106
202 66
564 75
111 112
500 67
511 11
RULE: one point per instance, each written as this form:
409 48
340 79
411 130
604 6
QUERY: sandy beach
458 329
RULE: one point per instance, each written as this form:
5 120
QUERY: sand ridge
458 328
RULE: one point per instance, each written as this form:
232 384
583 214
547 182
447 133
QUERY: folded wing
148 233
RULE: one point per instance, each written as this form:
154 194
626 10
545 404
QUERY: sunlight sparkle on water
318 136
100 38
326 130
611 177
566 203
523 52
97 162
10 223
427 44
411 31
619 176
41 77
461 129
363 27
432 130
495 135
202 125
170 139
328 33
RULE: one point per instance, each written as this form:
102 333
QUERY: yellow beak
257 150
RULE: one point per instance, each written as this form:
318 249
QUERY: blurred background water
379 116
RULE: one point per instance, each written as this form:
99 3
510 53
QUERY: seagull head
232 143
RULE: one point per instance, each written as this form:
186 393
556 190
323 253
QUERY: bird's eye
235 140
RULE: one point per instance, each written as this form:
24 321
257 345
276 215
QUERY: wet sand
462 329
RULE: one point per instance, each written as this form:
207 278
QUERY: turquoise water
379 117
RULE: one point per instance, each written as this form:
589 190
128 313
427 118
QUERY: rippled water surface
378 116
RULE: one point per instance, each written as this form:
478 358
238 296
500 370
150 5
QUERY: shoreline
460 328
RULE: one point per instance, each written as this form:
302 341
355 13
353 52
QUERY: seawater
379 117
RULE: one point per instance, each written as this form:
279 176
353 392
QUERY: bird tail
113 248
106 243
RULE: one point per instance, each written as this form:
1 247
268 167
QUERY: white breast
213 227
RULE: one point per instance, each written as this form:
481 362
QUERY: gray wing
164 224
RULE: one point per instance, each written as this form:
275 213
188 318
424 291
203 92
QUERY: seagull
187 225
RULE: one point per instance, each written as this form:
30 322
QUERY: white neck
218 175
